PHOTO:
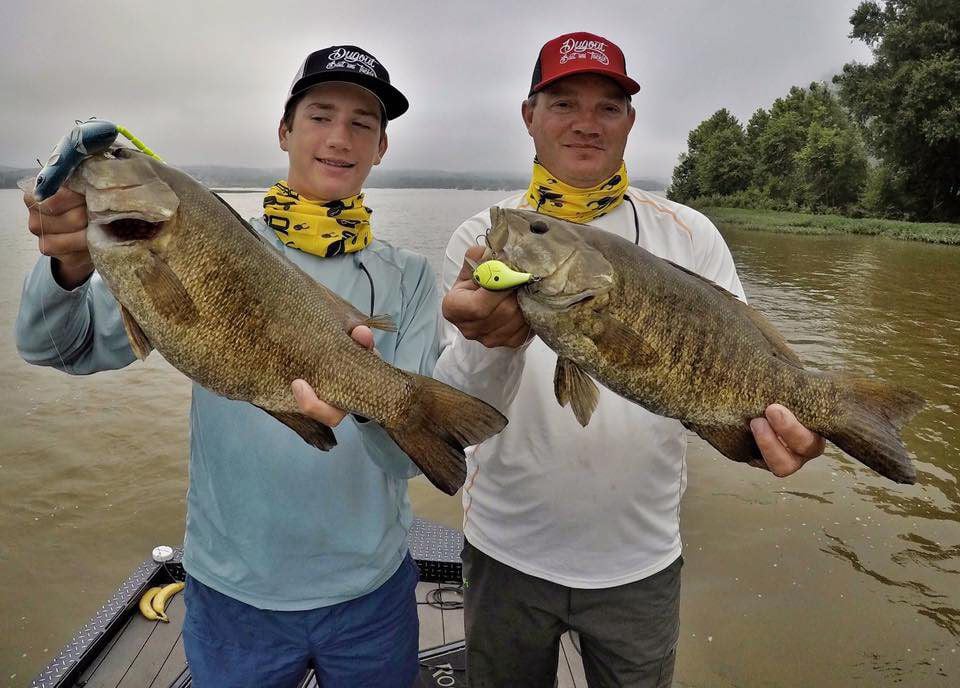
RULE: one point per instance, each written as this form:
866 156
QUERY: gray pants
628 634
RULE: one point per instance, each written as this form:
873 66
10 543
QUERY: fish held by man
199 285
681 346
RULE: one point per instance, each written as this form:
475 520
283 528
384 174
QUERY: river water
833 577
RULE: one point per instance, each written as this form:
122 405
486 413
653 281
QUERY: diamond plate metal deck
435 548
88 638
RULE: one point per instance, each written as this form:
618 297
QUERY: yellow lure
137 142
496 276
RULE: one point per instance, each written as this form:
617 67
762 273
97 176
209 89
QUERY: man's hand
60 225
307 399
785 444
492 318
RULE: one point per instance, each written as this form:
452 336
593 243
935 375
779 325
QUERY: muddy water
833 577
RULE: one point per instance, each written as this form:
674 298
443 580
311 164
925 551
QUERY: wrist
70 275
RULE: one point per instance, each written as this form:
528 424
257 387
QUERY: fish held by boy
199 285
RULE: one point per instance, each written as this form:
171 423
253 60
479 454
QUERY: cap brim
629 86
394 103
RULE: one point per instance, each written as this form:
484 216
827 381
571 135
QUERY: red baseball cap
579 53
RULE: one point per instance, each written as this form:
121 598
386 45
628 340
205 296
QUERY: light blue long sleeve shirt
272 521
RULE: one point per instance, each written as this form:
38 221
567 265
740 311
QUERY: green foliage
683 186
717 160
908 102
752 198
804 152
808 223
883 193
807 150
831 166
724 166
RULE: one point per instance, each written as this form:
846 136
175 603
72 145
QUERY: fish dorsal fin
573 386
351 316
781 348
246 224
138 339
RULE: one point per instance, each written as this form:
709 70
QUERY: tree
908 100
755 129
831 166
716 161
683 186
790 142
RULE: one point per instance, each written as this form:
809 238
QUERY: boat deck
147 654
121 649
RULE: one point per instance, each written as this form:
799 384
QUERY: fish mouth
537 284
132 229
334 162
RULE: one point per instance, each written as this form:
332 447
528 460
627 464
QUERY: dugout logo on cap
581 53
342 58
353 65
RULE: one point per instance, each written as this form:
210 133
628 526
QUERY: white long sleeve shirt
592 507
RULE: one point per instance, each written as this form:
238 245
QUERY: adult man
571 527
294 557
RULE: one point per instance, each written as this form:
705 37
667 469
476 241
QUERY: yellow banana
162 598
146 607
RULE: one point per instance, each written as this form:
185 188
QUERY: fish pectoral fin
734 442
621 344
138 339
573 386
312 431
165 291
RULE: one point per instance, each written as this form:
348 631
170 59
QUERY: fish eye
538 227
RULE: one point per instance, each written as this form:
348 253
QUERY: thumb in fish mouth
27 185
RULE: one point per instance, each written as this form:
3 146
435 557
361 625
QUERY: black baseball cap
353 65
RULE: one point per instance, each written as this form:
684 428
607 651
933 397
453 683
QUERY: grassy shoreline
808 223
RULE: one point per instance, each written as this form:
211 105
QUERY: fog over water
204 83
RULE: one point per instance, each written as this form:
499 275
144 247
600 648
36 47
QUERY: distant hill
220 176
9 176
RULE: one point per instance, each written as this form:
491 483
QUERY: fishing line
43 311
81 144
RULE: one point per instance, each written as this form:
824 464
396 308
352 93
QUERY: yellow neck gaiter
325 229
551 196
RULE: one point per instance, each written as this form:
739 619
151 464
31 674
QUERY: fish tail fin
442 422
381 322
876 412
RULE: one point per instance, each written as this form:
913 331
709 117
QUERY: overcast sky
204 82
